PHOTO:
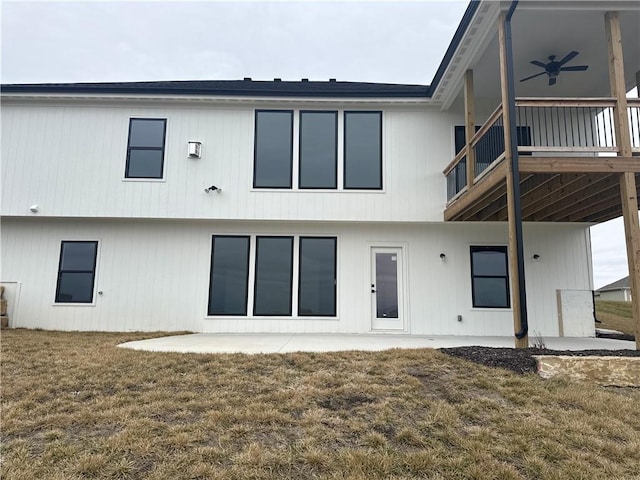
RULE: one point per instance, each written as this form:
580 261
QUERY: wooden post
511 205
469 125
627 180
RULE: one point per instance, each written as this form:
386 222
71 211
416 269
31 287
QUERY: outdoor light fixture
195 149
536 256
34 208
442 256
212 188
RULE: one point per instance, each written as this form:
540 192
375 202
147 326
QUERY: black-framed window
145 148
363 150
490 277
317 277
229 278
273 276
76 271
318 149
273 149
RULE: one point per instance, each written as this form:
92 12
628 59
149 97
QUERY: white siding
154 275
70 159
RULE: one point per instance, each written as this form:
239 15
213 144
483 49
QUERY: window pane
363 150
490 292
317 277
229 276
273 276
146 133
75 287
78 256
318 143
490 262
145 164
273 149
386 285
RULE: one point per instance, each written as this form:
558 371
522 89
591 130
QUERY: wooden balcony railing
545 126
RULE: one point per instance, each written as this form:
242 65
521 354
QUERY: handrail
633 102
461 154
565 102
486 125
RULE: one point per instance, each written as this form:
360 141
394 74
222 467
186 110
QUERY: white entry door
387 289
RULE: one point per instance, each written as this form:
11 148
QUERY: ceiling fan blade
532 76
552 80
568 57
538 64
577 68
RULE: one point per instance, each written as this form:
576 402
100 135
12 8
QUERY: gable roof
621 284
246 87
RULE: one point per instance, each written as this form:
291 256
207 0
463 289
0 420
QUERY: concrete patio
284 343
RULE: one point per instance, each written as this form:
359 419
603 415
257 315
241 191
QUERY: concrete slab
283 343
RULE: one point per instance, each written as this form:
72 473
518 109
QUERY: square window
145 148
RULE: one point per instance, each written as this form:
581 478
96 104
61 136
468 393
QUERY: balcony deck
568 161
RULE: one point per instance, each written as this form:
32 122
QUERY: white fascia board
473 44
210 99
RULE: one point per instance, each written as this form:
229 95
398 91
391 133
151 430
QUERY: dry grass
75 406
615 316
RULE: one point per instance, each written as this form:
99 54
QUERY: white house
329 207
619 290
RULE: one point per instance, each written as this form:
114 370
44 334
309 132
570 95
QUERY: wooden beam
511 200
571 197
555 189
579 164
469 125
592 205
628 191
478 190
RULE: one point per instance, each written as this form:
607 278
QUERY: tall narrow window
274 260
317 286
229 275
76 272
145 150
363 150
489 277
318 149
273 155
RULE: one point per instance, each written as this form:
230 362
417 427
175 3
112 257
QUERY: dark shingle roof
247 87
618 285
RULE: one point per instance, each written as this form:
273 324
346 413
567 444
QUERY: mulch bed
520 360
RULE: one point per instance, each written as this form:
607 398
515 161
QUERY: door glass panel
386 285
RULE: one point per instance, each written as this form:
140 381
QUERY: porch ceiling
548 197
541 29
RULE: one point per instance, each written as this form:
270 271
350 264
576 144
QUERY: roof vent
277 79
247 79
305 79
332 79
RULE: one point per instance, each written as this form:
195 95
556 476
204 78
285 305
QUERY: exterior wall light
536 256
34 208
442 256
195 149
212 188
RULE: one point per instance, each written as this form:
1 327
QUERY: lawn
75 406
615 316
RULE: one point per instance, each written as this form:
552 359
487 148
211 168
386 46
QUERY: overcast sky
384 41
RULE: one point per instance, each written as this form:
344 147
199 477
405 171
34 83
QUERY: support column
516 260
627 180
469 125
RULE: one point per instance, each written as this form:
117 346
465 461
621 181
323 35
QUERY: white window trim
95 273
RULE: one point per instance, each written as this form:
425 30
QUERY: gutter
515 174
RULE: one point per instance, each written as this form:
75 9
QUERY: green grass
74 407
615 316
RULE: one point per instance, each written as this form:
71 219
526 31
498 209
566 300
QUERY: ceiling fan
553 68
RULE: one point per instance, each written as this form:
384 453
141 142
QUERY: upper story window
363 150
273 156
76 272
489 277
318 150
145 149
323 159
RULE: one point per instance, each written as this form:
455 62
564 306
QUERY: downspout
515 173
